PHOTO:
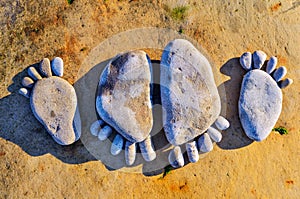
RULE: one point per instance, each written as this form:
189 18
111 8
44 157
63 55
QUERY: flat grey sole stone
190 98
54 103
123 97
260 104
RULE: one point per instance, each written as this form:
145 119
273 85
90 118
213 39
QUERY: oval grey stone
54 102
259 58
123 97
246 60
260 104
190 98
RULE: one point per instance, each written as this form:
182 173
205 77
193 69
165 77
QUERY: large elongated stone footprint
190 101
53 101
260 100
124 103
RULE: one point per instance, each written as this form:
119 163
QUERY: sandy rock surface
189 95
34 166
123 97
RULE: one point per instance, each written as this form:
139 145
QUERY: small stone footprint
53 101
260 100
124 103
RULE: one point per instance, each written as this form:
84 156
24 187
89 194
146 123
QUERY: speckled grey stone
260 104
190 98
176 158
271 65
205 144
45 68
53 102
57 66
32 72
123 97
285 83
279 73
246 60
259 58
27 82
192 151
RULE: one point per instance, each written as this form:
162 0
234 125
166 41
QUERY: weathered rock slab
260 104
53 102
123 98
190 98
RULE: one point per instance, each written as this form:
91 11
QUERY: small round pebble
117 144
246 60
147 150
104 133
176 158
205 144
94 129
192 151
24 92
27 82
285 83
214 134
271 65
221 123
45 68
57 66
279 73
130 152
259 58
32 72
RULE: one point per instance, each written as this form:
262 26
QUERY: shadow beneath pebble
234 137
18 125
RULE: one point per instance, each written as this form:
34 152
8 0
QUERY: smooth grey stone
259 58
32 72
117 145
45 68
130 152
57 66
175 157
104 133
123 98
279 73
246 60
221 123
147 150
271 65
214 134
192 151
27 82
283 84
204 143
24 92
260 104
190 99
95 127
54 103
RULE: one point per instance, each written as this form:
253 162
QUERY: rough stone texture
259 58
34 166
57 66
260 104
123 99
190 98
53 102
246 60
45 68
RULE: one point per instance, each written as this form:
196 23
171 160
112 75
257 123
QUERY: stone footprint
190 100
260 101
53 101
124 103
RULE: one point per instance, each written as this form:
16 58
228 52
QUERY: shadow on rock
18 125
234 137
